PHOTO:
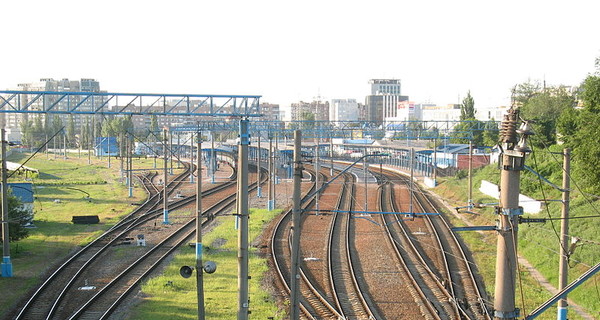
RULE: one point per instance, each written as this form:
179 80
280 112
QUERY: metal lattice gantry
159 104
411 129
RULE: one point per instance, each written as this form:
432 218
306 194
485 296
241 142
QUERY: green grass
170 296
55 236
538 243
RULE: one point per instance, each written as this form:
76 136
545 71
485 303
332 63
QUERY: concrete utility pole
171 150
166 176
192 152
65 146
258 188
242 205
199 268
317 169
435 162
271 189
131 166
563 275
178 149
331 156
213 160
365 171
108 151
6 263
470 200
296 220
412 177
121 157
513 162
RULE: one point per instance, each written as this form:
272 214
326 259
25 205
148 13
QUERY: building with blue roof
24 192
106 146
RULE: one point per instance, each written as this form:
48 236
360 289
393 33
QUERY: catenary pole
258 166
165 195
435 162
192 152
271 190
242 204
563 275
412 179
6 263
470 200
213 160
296 219
513 162
199 269
317 170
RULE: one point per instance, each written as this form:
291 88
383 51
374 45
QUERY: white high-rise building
385 87
383 101
343 110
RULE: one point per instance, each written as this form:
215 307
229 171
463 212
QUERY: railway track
55 300
331 286
349 291
434 300
103 303
466 290
43 304
424 274
314 303
441 254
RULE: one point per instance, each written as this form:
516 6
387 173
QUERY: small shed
106 146
457 156
24 192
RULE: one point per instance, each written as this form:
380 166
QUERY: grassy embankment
60 192
170 296
538 243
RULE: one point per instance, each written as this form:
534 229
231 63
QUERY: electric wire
562 245
514 248
36 152
568 234
585 194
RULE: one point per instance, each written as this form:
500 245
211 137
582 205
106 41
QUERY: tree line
40 128
560 115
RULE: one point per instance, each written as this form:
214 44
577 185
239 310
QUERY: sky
289 51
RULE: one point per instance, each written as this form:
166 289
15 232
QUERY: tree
580 130
17 217
56 123
543 106
153 123
522 92
71 130
467 109
27 132
469 130
118 127
490 133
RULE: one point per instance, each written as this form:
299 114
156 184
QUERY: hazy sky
287 51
